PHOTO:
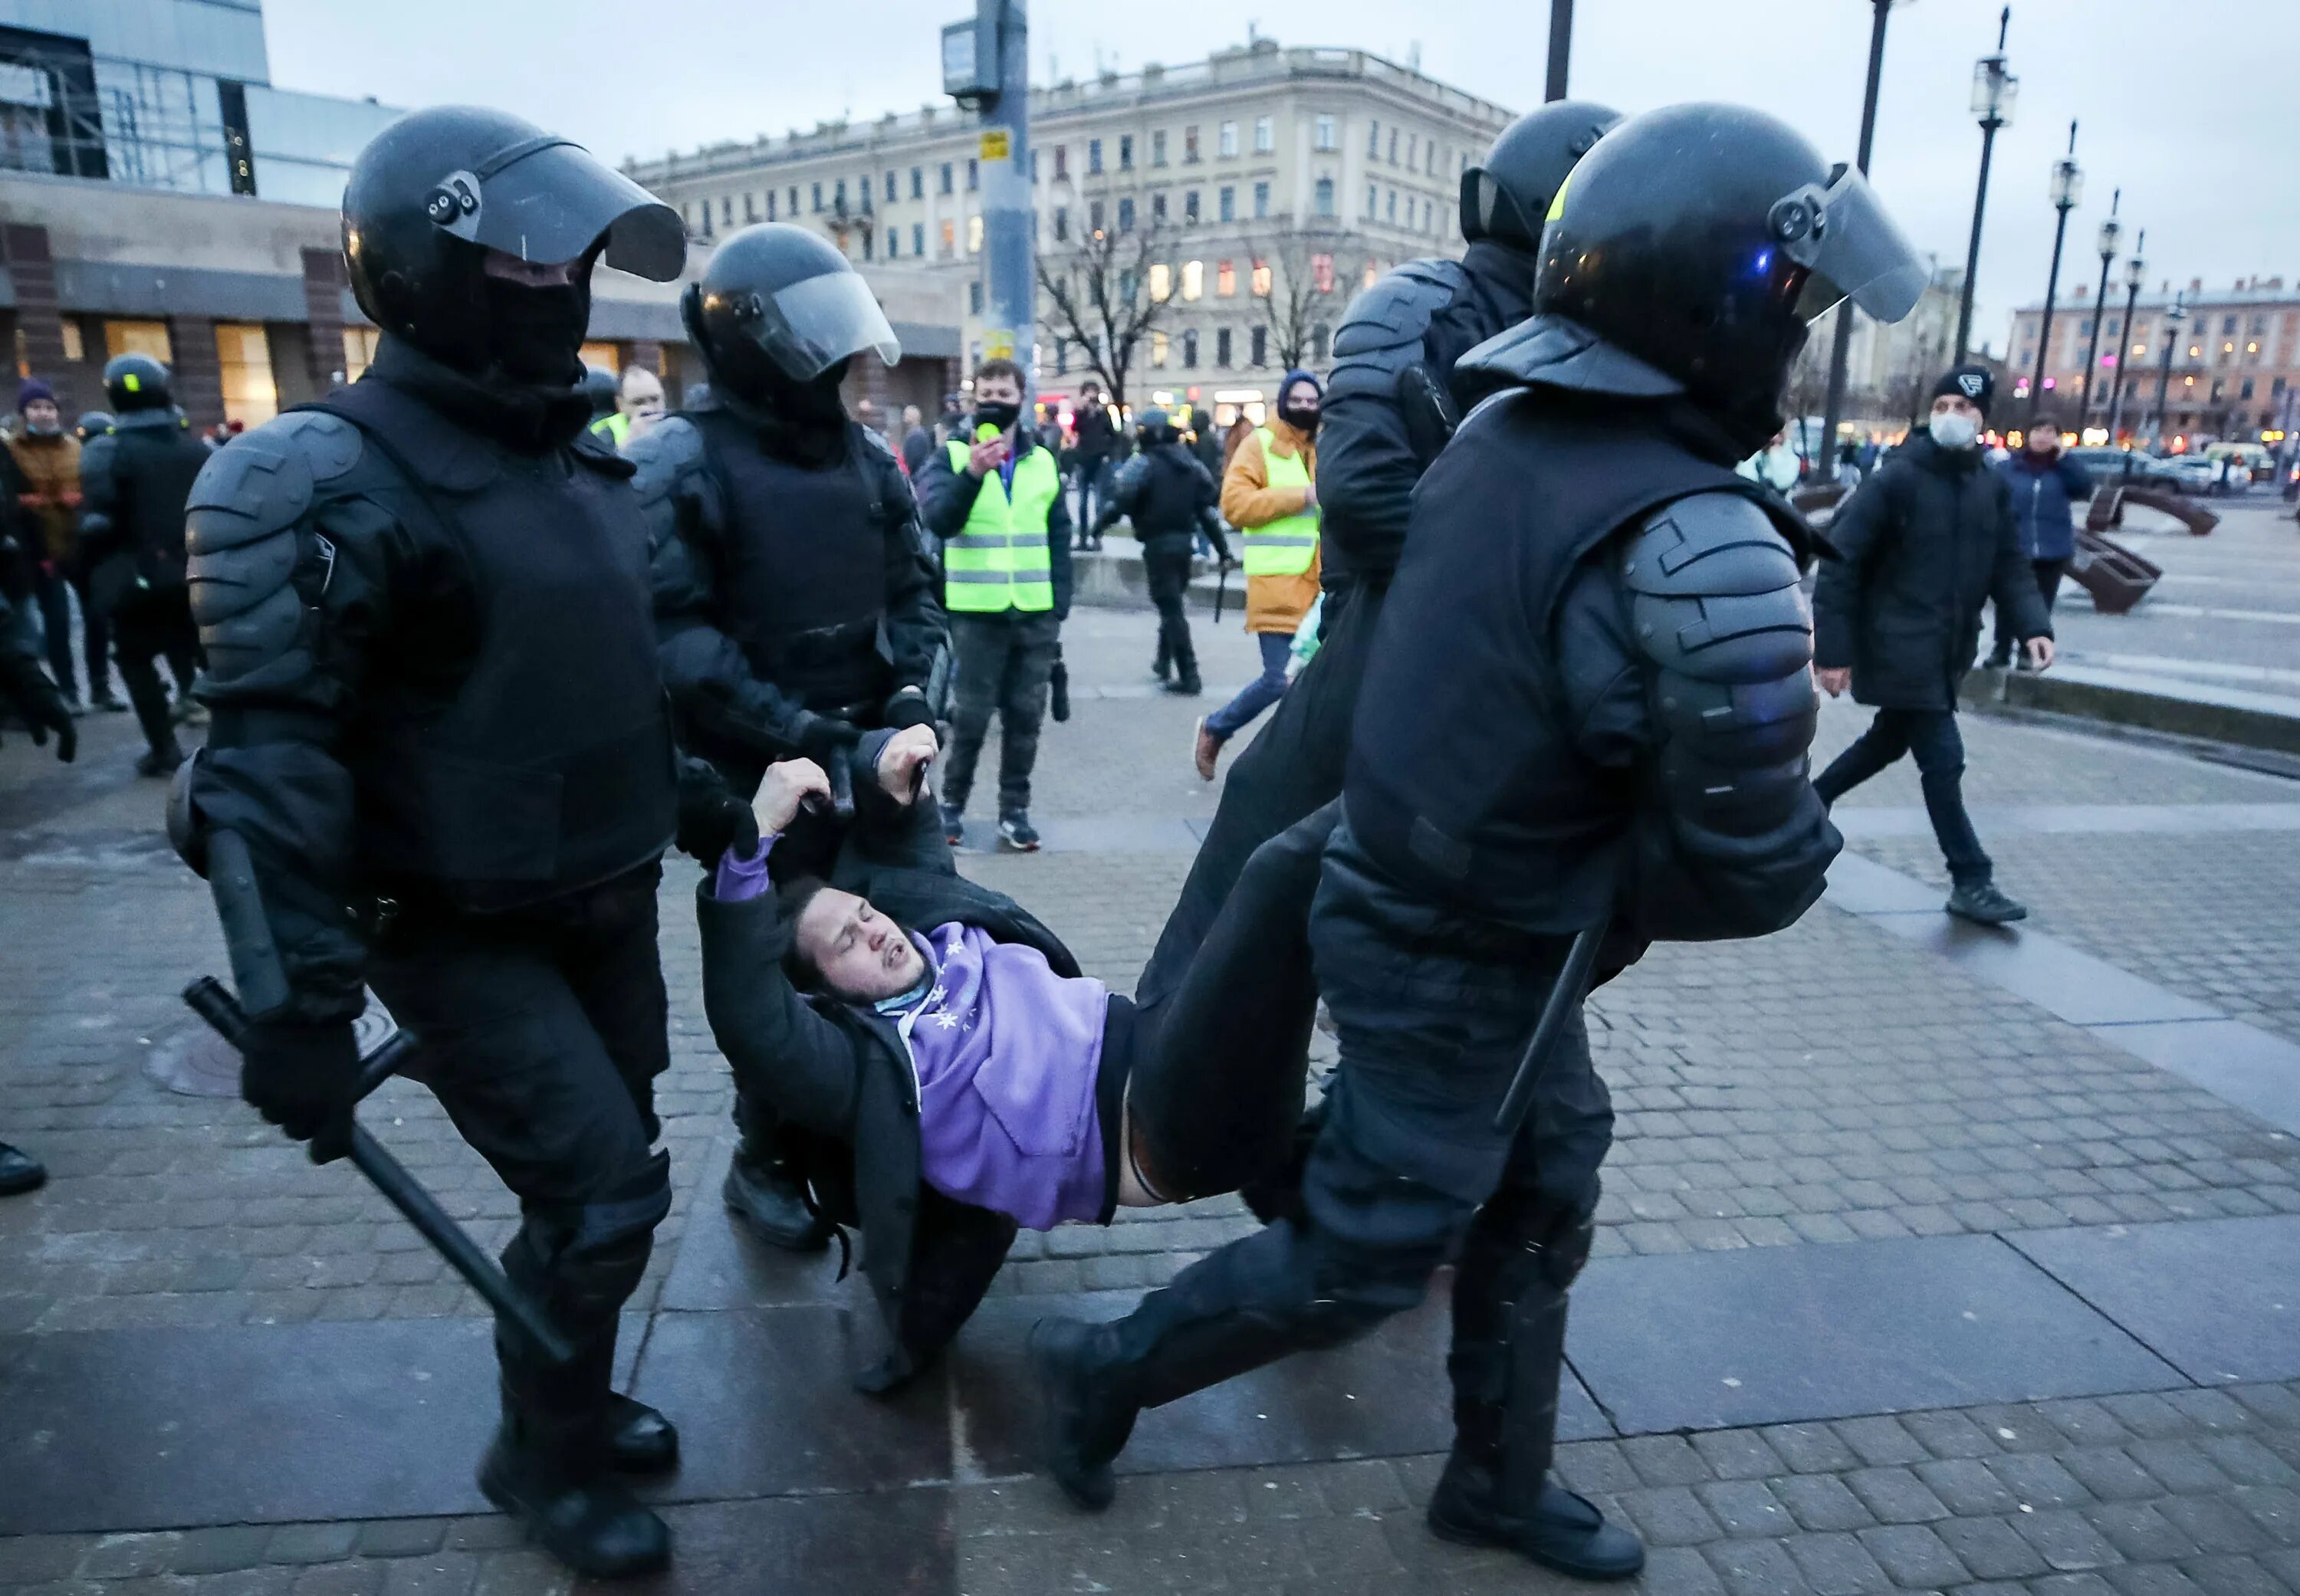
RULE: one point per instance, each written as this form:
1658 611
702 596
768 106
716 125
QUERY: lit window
75 350
973 235
2140 349
1372 270
139 338
1226 140
1321 273
245 355
1157 340
1261 278
1194 283
1162 282
1225 280
949 238
1265 135
359 350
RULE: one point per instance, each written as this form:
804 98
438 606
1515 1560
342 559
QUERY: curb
1997 692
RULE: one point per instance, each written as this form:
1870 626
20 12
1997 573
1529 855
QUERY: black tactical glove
305 1079
826 739
37 700
907 708
712 819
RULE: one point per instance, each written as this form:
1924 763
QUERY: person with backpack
1169 496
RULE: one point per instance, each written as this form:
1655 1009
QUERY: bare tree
1299 293
1097 288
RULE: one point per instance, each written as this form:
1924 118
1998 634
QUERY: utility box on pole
986 63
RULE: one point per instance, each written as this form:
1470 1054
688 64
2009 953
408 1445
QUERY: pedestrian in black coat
1924 542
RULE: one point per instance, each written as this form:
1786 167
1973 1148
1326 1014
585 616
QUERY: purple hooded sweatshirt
1006 1054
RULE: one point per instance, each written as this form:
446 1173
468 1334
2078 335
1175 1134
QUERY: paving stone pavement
1831 1085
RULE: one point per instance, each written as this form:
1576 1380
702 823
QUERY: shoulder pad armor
241 530
1713 592
671 450
1394 315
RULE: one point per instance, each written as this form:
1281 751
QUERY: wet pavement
1931 1259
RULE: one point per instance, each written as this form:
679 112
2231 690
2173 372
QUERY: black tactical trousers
1005 662
1292 768
150 624
1407 1170
542 1033
1166 571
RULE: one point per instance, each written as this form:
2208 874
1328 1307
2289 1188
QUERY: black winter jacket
1922 542
1166 493
839 1074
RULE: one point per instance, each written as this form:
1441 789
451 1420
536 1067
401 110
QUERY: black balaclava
534 334
804 422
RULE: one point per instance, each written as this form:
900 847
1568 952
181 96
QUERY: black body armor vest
543 763
803 591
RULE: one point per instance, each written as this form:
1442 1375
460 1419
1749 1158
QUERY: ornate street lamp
2068 192
2172 319
1825 454
2111 233
1994 92
2136 271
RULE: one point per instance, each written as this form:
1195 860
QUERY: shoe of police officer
587 1519
19 1172
954 823
1186 685
1016 832
640 1439
1558 1529
1983 904
765 1197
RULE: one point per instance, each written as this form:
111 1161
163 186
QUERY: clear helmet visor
1850 249
548 201
815 324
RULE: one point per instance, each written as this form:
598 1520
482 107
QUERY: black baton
208 999
1572 986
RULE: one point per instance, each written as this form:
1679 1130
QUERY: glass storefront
139 338
607 357
243 357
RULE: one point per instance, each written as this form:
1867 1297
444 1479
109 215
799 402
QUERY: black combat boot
1233 1310
19 1172
550 1466
763 1193
1507 1359
1186 682
639 1439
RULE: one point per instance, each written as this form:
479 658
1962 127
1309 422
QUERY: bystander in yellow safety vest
1286 546
1001 561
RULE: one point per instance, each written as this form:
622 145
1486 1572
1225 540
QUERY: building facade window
974 235
1194 282
1190 151
244 355
1261 202
1158 350
891 195
973 175
893 243
1162 282
1226 140
838 198
1228 206
750 207
1258 344
1265 135
359 350
1126 151
1189 347
1321 273
139 338
1393 205
1321 339
1327 137
1158 147
815 195
1062 224
1373 140
1190 208
974 297
1322 197
1061 162
1158 207
918 182
1373 202
1094 157
1393 147
1225 280
946 177
771 204
919 237
1260 279
1221 346
1126 215
1094 218
949 238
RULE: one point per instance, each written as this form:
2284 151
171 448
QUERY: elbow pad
1721 628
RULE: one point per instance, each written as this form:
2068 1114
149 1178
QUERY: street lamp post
1843 343
1994 91
2112 232
2135 270
2172 319
1561 48
2068 189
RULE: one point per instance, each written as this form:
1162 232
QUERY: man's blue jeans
1258 695
1931 735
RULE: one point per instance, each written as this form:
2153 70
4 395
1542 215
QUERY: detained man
950 1074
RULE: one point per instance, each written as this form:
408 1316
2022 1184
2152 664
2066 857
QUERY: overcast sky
2188 106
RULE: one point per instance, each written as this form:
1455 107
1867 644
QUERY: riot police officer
134 481
796 611
1393 398
441 760
1587 705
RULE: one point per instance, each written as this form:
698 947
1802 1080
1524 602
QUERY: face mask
533 333
1000 414
1955 432
1302 418
44 428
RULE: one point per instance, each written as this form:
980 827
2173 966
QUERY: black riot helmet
1506 195
437 189
95 423
600 387
1702 238
1154 427
777 309
134 382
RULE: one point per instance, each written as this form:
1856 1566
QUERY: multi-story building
2234 362
1261 161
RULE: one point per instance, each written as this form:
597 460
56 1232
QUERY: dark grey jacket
1923 542
839 1074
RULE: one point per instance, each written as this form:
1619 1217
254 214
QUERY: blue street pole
1009 251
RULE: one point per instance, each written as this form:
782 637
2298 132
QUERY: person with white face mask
1924 541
